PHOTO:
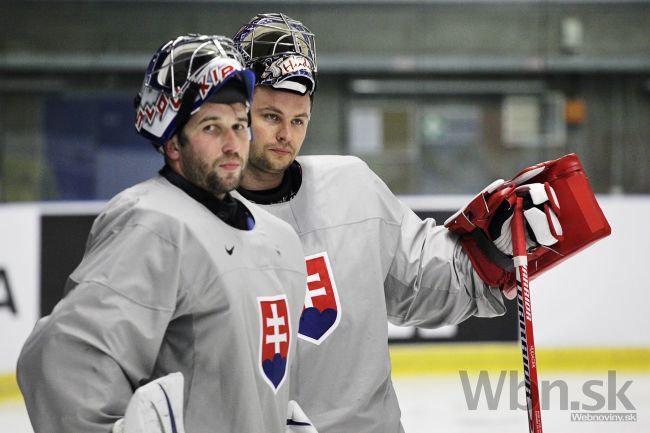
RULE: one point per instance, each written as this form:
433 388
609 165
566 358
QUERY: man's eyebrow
209 118
276 110
242 118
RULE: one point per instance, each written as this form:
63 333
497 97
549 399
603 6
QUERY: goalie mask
182 75
281 52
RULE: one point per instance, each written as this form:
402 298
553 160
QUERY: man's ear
172 149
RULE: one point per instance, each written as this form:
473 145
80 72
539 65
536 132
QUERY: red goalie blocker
582 221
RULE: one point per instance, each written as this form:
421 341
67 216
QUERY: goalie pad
572 227
156 407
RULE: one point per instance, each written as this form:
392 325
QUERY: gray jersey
368 257
166 286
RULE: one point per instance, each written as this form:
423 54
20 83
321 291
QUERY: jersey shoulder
154 204
346 176
338 164
343 190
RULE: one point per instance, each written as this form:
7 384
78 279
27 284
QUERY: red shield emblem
322 312
275 339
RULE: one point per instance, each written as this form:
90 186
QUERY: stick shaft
526 319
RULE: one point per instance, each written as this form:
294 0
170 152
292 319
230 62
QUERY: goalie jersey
369 258
166 286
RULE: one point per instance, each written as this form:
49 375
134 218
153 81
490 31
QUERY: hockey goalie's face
212 149
279 120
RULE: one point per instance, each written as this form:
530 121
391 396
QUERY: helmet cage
279 50
181 76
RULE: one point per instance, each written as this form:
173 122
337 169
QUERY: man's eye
298 122
213 129
272 117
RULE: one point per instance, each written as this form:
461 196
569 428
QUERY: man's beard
204 175
261 162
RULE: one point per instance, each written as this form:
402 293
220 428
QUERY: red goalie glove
559 193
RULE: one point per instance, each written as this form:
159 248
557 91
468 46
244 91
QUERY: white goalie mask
281 51
182 75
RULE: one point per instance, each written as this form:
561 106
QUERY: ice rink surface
438 404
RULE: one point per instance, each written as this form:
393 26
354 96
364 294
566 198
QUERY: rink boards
588 313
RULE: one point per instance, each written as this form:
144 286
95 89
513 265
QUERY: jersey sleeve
430 280
79 367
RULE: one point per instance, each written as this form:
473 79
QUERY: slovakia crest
322 312
275 339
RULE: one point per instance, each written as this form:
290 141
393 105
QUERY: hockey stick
525 318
